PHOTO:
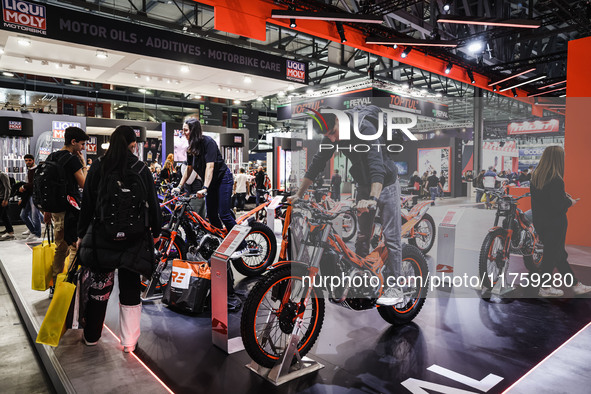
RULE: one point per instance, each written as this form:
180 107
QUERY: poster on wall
180 146
435 159
91 146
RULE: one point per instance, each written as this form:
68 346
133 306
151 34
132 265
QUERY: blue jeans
389 206
434 192
219 203
260 197
32 217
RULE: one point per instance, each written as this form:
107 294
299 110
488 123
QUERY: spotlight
72 66
514 91
137 76
247 79
75 82
471 76
28 60
448 68
395 46
341 32
495 88
237 101
309 91
405 52
281 94
184 68
259 99
447 6
7 74
101 54
475 46
292 23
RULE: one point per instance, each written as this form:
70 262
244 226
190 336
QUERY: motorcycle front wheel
263 240
414 269
424 234
492 257
178 250
270 311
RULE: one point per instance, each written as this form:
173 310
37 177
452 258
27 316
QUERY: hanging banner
48 21
538 126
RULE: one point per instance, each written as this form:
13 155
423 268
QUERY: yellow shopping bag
42 262
54 323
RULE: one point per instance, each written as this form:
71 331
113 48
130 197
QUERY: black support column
478 129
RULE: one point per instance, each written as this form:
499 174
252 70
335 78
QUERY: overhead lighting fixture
58 65
395 46
334 86
137 76
237 101
184 68
468 20
475 46
75 82
524 82
101 54
177 82
259 99
448 68
514 91
326 16
447 6
44 63
25 42
405 53
281 94
28 60
290 86
411 41
247 79
72 66
197 97
512 76
553 84
341 32
562 95
438 94
7 74
142 90
86 68
470 76
309 91
148 78
495 88
292 23
546 92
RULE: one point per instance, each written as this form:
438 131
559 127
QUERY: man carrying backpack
8 233
29 213
65 222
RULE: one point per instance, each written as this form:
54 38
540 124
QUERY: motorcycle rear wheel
413 265
262 238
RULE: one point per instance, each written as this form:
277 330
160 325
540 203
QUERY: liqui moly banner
535 127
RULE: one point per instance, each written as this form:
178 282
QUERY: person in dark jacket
30 215
376 175
132 257
549 203
8 233
335 186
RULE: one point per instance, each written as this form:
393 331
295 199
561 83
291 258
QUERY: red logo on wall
296 71
538 126
26 14
15 125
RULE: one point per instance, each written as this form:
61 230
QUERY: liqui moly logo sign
15 125
59 128
22 15
394 120
538 126
296 71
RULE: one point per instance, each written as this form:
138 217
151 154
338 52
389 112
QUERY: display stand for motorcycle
219 290
271 212
446 246
285 369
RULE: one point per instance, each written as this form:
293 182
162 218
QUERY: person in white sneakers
549 203
119 219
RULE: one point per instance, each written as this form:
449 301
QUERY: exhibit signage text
89 29
538 126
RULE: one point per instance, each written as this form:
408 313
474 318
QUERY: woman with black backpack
116 231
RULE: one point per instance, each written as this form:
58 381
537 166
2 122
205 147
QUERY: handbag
42 273
53 326
189 286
